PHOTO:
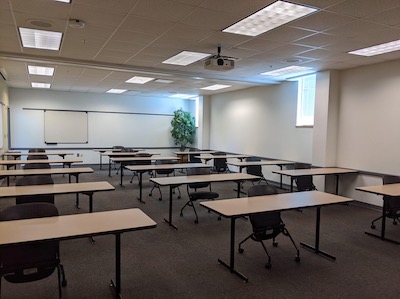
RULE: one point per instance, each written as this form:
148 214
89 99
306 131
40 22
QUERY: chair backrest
254 169
37 166
42 255
165 171
220 163
198 171
392 202
36 150
192 157
37 157
117 148
304 183
35 180
143 162
263 221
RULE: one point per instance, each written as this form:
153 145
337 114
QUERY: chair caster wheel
241 250
268 265
395 222
275 244
219 218
150 194
196 221
181 214
297 259
179 197
160 199
373 226
64 283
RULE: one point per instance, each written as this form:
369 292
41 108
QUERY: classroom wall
260 121
148 128
369 122
4 99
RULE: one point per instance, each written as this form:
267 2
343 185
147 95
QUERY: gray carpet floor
168 263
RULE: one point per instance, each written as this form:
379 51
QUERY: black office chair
34 180
37 157
304 183
143 162
198 195
165 172
124 150
267 225
37 166
33 261
255 170
392 203
220 163
192 157
36 150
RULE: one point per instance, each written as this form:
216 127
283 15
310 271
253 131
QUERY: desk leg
291 183
169 221
77 194
231 265
116 287
337 185
316 247
122 174
109 167
8 180
140 186
101 161
281 185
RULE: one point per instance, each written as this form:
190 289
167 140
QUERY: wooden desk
67 227
180 154
143 168
239 207
113 155
85 188
10 163
244 164
315 171
227 156
15 155
135 159
46 171
384 190
176 181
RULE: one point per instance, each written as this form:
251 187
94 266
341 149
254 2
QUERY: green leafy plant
183 128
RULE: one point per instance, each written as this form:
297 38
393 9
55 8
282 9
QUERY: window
305 101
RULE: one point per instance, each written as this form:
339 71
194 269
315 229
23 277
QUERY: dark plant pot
182 148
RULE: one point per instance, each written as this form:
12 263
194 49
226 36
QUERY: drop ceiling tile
321 21
123 46
132 37
389 17
363 8
260 44
317 40
42 9
240 9
144 25
162 10
123 6
209 19
355 28
286 34
56 24
97 16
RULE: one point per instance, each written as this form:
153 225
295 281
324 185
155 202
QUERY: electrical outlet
77 155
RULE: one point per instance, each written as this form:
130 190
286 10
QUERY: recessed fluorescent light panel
64 1
40 70
270 17
186 58
139 80
216 87
163 81
40 39
182 96
286 71
378 49
40 85
115 90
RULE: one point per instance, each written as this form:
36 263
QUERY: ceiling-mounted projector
219 63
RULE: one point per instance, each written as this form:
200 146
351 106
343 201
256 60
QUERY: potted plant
183 128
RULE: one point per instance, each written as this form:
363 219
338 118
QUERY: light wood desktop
384 190
16 155
76 171
87 188
11 163
244 164
143 168
239 207
123 161
69 227
293 173
182 154
175 181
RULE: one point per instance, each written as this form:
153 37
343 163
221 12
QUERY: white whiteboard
65 127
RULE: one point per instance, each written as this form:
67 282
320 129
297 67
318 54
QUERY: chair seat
203 195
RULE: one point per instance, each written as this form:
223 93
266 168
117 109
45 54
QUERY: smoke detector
75 23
